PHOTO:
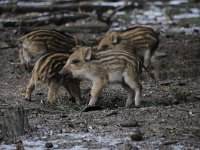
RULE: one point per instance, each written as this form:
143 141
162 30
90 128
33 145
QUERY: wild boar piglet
142 41
103 67
40 42
46 71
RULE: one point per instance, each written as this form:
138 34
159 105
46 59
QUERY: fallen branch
45 20
85 28
89 6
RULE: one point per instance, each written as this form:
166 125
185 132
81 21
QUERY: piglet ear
87 53
114 37
72 50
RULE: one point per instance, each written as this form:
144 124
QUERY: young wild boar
139 40
40 42
46 71
104 67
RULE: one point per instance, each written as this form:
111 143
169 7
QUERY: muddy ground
169 116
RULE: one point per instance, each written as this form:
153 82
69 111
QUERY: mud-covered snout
65 73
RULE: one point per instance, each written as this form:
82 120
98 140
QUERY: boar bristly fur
40 42
142 41
46 70
103 67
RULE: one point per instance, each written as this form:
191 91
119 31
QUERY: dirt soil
169 116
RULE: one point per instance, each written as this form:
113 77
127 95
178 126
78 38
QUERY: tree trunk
15 123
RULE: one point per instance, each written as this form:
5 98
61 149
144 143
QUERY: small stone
137 136
130 123
49 145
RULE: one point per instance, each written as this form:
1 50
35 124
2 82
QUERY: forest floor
168 116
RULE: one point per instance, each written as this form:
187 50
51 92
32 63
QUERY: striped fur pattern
46 71
40 42
139 40
103 67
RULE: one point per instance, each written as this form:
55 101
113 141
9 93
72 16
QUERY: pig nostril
65 73
61 72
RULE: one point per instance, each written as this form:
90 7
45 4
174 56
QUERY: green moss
189 21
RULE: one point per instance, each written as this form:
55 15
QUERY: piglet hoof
92 108
137 106
27 99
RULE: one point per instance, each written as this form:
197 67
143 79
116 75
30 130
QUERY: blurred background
169 116
88 16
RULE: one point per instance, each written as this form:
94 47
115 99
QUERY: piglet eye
105 47
75 61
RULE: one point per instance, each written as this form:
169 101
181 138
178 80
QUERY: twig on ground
111 113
